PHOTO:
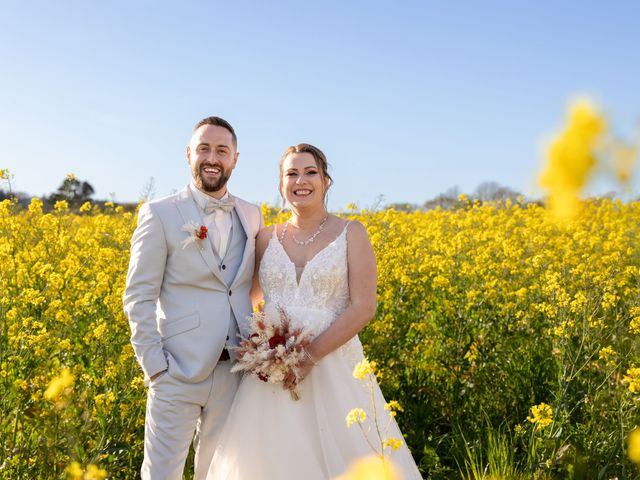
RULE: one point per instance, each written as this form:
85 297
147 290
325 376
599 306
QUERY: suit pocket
171 327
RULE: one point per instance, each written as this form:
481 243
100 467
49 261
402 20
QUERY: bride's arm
361 263
262 240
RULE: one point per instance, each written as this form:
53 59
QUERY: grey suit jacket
176 299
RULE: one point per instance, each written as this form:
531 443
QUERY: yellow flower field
485 314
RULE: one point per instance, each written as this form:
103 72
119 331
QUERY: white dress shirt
218 223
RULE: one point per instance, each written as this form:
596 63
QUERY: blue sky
406 98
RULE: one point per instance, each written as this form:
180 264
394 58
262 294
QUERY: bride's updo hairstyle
318 156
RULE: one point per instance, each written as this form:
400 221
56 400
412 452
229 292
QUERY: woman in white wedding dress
321 270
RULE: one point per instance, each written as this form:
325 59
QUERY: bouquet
273 349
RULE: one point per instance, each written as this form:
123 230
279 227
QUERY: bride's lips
302 192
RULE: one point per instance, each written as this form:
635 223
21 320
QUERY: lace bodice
323 284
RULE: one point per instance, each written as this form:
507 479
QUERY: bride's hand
291 380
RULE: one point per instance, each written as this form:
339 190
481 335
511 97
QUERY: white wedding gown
267 435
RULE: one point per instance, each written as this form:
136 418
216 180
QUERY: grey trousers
179 413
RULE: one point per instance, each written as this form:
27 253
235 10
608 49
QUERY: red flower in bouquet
277 340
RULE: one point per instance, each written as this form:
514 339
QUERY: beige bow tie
214 204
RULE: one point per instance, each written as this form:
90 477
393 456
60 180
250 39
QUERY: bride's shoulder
348 226
356 232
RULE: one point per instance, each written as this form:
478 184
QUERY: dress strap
344 230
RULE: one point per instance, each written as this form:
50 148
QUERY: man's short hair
218 122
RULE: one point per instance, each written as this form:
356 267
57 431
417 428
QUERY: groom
189 280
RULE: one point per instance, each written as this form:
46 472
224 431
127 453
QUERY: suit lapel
247 246
189 212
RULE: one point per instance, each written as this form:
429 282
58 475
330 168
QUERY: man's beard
214 186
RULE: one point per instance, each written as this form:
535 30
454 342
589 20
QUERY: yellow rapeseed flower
607 355
633 379
61 206
393 406
634 324
393 443
95 473
472 353
541 415
364 368
74 471
357 415
371 468
59 384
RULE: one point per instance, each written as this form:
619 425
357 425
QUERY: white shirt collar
202 198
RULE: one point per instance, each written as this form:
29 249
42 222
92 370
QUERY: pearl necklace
308 240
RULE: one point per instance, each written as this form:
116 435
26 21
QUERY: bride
321 270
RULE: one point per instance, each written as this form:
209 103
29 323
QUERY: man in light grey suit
188 287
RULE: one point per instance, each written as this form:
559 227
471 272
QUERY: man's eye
291 174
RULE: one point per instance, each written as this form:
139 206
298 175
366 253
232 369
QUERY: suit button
230 292
224 267
227 337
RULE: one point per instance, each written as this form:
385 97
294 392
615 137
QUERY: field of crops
510 340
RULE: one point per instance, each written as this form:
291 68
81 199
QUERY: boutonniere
196 232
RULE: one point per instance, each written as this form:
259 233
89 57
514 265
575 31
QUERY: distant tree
73 191
447 200
493 191
21 197
403 207
148 190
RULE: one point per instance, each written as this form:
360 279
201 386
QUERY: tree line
72 190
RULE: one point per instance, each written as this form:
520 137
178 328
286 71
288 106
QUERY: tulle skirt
269 436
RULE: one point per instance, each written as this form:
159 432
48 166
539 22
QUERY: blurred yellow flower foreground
371 468
58 385
633 446
571 158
